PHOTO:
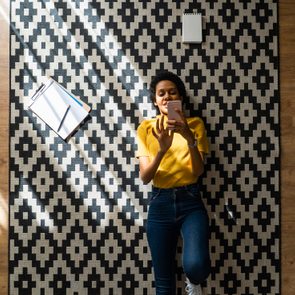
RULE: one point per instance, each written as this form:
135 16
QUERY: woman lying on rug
171 154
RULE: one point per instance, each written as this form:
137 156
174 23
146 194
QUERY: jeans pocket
154 195
194 191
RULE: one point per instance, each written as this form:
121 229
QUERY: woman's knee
197 271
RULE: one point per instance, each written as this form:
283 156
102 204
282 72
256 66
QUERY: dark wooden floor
287 86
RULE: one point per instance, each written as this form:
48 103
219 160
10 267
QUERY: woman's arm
147 167
197 158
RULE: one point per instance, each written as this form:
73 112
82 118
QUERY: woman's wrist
161 153
192 143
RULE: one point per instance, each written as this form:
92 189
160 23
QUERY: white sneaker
192 289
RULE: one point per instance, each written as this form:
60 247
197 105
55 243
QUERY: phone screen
172 105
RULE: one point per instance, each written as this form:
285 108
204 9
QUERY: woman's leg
162 237
162 243
196 258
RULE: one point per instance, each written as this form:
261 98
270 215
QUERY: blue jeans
174 212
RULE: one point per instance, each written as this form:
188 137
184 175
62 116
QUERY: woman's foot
192 289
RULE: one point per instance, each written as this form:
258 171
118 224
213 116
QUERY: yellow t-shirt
175 168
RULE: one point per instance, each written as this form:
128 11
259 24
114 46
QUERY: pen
63 118
36 92
42 88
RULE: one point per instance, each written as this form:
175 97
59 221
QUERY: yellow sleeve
142 150
201 136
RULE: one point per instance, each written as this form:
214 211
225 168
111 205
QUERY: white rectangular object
192 28
58 108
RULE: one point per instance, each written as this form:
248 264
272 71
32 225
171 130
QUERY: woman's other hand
163 135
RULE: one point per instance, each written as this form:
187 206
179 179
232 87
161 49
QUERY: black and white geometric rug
77 209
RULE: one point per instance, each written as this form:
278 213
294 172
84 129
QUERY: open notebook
58 108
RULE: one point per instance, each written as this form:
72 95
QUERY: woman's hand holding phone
177 121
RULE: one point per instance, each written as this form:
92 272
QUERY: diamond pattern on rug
78 209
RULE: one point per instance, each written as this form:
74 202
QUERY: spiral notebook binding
191 13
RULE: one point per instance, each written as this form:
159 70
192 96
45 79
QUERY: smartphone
172 114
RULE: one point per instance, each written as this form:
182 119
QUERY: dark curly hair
171 77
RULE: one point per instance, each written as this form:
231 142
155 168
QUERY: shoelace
192 289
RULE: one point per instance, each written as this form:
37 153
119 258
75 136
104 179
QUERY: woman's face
165 91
